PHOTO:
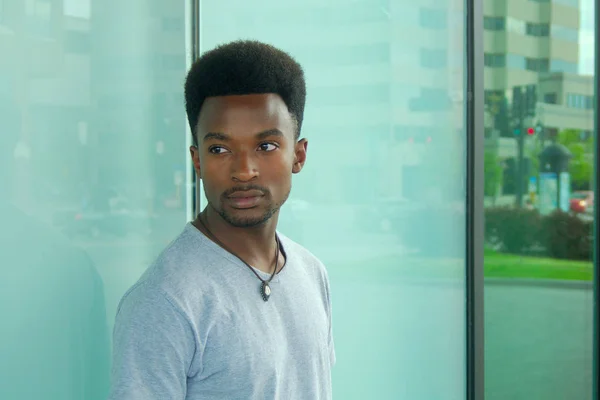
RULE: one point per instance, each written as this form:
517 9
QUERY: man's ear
195 153
300 149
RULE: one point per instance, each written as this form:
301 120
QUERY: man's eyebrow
269 133
216 136
225 138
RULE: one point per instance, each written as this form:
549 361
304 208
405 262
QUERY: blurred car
582 202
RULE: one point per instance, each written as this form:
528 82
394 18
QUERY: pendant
265 291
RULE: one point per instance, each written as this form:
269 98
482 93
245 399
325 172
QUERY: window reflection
91 165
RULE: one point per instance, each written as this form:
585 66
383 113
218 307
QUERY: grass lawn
496 265
499 265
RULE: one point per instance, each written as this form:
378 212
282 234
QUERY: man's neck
256 246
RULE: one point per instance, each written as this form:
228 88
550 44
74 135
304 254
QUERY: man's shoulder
181 269
303 256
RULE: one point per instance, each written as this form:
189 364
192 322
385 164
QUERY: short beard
247 222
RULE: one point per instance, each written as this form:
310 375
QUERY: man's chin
246 218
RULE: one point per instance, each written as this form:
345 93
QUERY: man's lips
245 199
245 194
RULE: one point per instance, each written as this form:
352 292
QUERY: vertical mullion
475 211
596 230
195 41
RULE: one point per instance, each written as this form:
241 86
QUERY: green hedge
523 231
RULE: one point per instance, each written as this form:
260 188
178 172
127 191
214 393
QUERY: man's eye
217 150
267 146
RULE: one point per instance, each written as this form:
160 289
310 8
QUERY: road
538 342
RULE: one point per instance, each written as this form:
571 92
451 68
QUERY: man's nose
244 168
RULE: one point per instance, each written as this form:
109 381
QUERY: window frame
475 145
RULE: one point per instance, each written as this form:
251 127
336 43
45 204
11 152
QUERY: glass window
430 99
91 192
77 42
360 13
433 18
171 62
564 33
434 58
494 23
537 64
96 181
171 24
77 8
411 178
37 18
494 60
557 65
515 61
579 101
570 3
538 29
346 94
539 222
348 54
38 8
550 98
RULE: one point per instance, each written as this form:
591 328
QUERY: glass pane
92 152
539 169
381 199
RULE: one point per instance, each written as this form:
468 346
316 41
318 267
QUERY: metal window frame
475 213
596 231
194 38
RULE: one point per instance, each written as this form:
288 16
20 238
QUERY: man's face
246 155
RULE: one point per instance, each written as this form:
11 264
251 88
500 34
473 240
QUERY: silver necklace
265 289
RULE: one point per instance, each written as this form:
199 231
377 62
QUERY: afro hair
241 68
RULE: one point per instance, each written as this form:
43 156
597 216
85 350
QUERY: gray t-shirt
195 327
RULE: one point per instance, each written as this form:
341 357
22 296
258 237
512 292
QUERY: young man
232 309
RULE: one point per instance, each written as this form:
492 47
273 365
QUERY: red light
411 140
429 139
78 217
530 131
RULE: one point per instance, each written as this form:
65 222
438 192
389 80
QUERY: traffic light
530 100
517 102
539 129
531 131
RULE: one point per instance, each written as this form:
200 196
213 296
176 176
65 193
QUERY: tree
581 166
492 173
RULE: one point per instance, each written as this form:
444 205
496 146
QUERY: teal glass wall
382 197
94 167
92 153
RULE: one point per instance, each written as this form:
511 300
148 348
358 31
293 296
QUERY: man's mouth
245 198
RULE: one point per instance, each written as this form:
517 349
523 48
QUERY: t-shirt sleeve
153 347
